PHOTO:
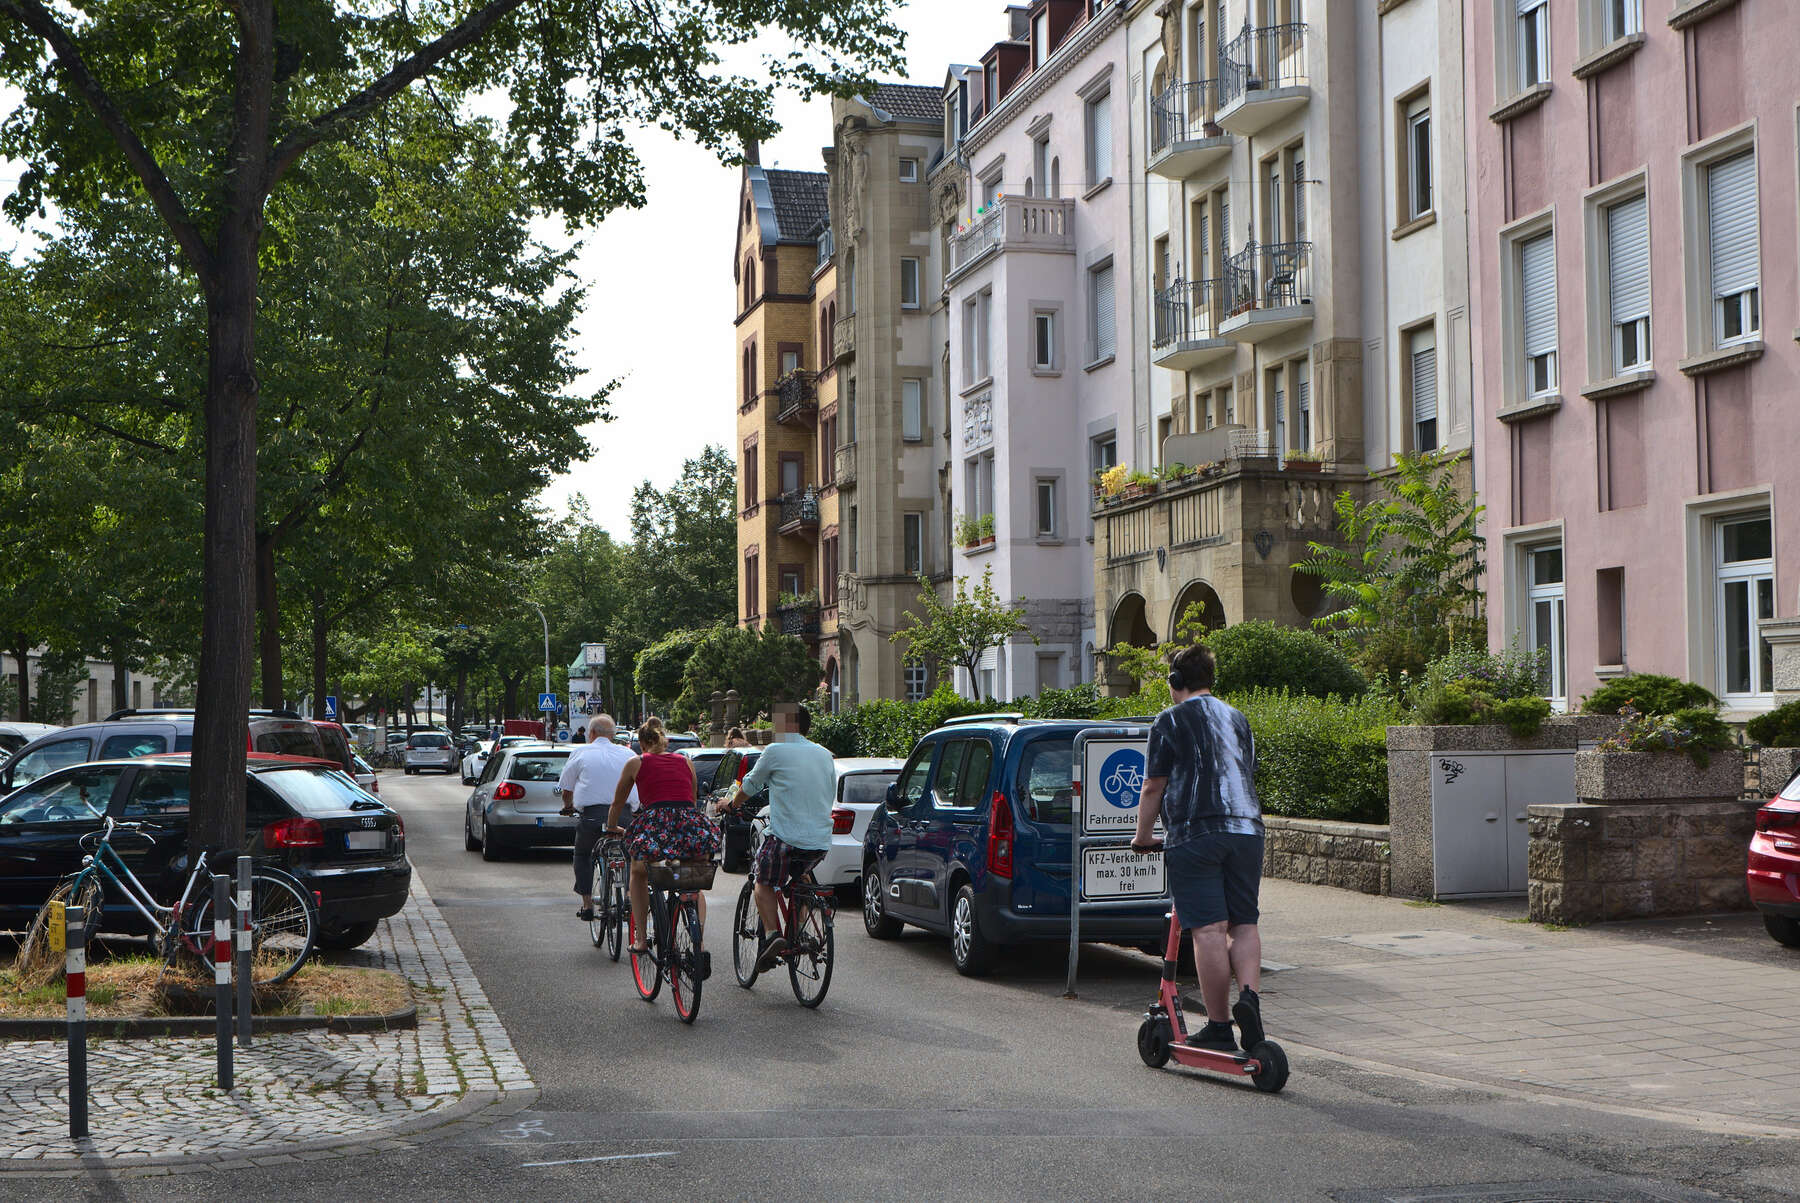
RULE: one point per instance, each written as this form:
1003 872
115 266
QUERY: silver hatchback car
431 750
515 804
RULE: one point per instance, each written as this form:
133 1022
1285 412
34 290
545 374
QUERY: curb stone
204 1025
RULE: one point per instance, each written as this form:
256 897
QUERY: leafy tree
1406 578
960 631
209 115
682 572
765 667
661 667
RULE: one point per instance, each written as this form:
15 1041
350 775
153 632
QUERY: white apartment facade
1036 200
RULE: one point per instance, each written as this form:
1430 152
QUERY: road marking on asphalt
532 1165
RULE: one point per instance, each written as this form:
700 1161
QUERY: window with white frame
1628 282
1098 120
1537 313
909 171
1621 19
1732 262
909 283
1040 164
1416 158
975 339
912 410
990 191
1545 612
1421 356
1744 567
1105 452
1044 499
912 527
1101 314
1531 43
1040 40
916 679
1043 340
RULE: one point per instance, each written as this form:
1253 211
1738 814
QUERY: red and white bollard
221 956
75 968
243 951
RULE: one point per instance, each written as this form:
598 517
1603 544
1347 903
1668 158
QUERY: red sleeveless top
665 777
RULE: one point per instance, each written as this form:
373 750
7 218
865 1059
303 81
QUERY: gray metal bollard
221 952
75 942
244 1000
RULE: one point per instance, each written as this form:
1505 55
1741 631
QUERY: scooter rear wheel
1272 1071
1154 1039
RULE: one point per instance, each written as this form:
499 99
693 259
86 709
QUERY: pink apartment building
1633 224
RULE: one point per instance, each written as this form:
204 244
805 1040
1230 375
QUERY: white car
14 736
862 783
475 763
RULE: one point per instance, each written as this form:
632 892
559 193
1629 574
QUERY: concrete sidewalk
1695 1018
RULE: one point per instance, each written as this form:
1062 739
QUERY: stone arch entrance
1204 595
1130 623
833 687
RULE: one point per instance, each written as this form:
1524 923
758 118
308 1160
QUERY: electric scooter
1163 1034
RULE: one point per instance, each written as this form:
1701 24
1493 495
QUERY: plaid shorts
778 863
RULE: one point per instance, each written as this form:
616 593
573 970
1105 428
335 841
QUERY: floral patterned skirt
671 831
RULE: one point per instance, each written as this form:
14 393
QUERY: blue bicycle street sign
1121 777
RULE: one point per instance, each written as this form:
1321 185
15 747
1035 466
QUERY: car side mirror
895 801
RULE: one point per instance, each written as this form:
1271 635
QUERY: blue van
973 842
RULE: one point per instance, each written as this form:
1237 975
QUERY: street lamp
546 623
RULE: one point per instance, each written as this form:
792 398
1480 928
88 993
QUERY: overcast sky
660 304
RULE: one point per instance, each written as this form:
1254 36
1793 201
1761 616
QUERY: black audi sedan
301 814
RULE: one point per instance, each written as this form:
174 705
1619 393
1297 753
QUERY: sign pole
221 955
243 952
75 968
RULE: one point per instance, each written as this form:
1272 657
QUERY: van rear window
1044 780
547 767
290 743
868 787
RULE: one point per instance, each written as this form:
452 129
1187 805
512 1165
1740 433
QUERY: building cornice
1039 81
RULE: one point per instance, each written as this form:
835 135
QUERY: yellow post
59 921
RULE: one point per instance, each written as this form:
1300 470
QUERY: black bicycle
806 914
673 943
612 912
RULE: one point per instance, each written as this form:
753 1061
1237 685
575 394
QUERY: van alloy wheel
962 929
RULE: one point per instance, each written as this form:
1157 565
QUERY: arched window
749 282
1055 192
1030 190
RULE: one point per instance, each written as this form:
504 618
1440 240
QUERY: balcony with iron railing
1185 332
843 339
799 512
1185 138
800 618
797 399
1262 77
1268 291
1013 223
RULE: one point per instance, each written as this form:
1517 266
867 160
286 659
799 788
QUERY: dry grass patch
127 987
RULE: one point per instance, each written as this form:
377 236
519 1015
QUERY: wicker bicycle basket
685 876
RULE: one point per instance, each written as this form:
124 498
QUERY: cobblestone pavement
298 1096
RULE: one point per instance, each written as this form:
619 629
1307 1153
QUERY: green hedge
1780 728
1266 655
1648 693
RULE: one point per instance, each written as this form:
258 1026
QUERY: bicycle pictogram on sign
1121 777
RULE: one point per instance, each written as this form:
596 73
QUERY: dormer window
992 76
1040 40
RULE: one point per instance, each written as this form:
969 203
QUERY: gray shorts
1214 878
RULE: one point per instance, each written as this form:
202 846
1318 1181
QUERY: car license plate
365 841
540 820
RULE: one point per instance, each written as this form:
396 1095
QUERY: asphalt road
912 1082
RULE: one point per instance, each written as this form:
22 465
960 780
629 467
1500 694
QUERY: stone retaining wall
1593 862
1351 856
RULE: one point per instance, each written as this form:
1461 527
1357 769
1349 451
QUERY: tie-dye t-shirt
1205 749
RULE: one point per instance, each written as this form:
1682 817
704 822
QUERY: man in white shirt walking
587 785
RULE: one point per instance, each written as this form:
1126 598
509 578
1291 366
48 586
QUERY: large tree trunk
268 608
22 657
509 694
320 631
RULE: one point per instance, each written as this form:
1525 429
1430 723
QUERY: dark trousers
588 834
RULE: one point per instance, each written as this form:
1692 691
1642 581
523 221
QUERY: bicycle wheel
283 925
603 899
684 952
37 960
618 919
646 967
746 937
811 951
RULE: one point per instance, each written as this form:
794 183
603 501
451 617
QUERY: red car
1774 873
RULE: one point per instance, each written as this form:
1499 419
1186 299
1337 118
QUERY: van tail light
1000 837
294 833
509 791
1777 818
842 820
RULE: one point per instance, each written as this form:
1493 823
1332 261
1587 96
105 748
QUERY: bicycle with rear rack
806 922
612 909
284 918
673 935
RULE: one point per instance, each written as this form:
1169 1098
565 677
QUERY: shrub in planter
1648 693
1780 728
1697 731
1265 655
1472 686
1321 758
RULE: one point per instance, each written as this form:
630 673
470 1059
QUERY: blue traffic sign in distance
1121 777
547 701
331 708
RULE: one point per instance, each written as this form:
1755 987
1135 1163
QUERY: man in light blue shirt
801 780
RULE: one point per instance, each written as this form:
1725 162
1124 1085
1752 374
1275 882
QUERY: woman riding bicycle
668 824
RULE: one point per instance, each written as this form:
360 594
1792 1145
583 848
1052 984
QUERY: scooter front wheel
1272 1067
1154 1039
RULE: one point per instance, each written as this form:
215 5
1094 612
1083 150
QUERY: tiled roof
909 102
801 202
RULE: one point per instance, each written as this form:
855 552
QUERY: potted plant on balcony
1139 484
1109 482
974 532
1174 474
798 601
1305 461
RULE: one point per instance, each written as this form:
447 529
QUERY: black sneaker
705 965
1248 1013
771 953
1214 1037
585 914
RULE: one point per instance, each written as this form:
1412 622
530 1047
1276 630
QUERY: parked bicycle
612 917
284 920
674 947
806 921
